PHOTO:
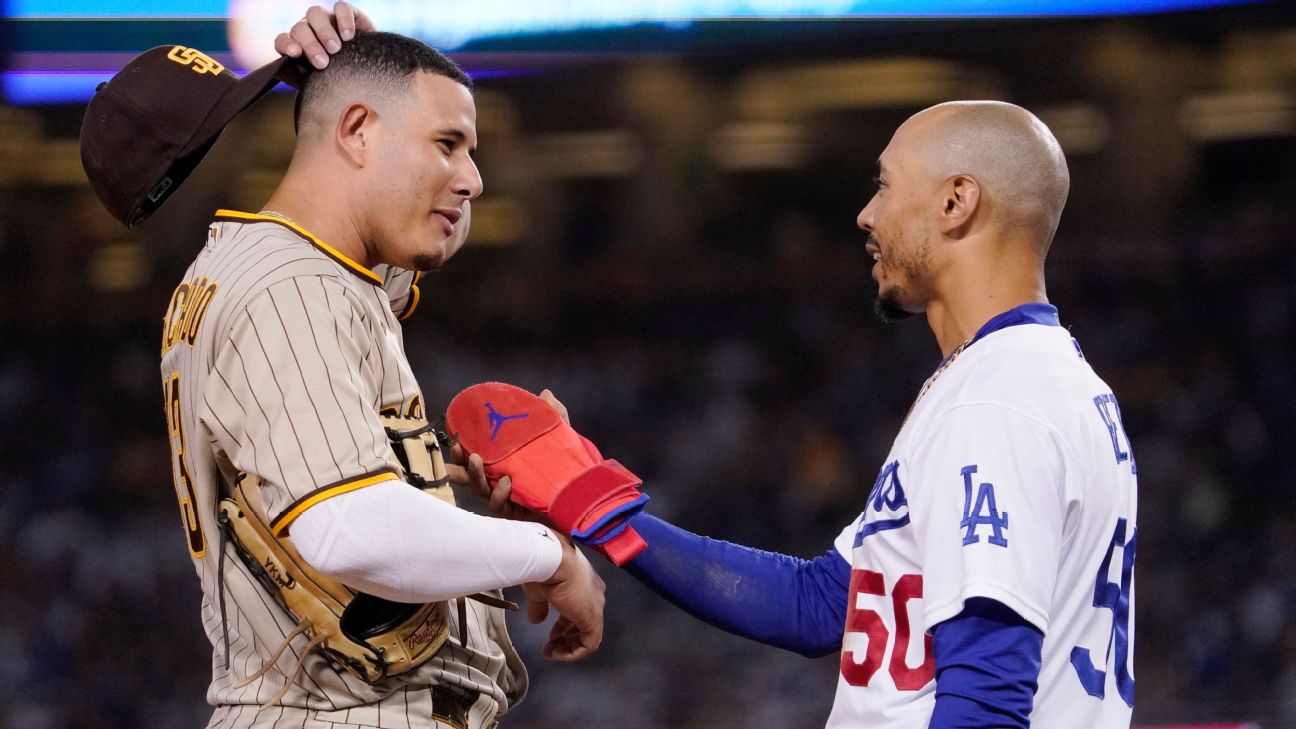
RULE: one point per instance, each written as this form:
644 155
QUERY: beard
913 259
428 262
888 308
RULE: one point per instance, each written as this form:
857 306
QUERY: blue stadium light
491 18
42 76
253 23
109 9
50 87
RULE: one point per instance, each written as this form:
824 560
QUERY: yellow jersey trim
412 304
324 248
280 525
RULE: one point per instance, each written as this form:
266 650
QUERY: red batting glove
554 470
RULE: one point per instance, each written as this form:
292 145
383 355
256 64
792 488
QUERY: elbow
821 651
359 572
332 563
811 640
817 649
318 541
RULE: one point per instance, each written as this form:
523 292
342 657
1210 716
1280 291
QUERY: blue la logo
887 492
888 496
982 512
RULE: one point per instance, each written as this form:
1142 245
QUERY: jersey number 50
1115 597
868 622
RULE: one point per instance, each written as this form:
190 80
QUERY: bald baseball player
988 581
283 348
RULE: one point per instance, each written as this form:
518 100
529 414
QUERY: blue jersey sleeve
987 668
790 603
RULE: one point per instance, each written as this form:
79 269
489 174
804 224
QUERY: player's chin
429 260
432 254
888 306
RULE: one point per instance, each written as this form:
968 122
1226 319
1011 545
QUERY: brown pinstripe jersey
278 354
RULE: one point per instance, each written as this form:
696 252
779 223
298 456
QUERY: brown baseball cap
149 127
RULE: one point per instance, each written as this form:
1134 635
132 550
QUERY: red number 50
859 620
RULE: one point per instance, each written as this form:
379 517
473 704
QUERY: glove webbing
415 451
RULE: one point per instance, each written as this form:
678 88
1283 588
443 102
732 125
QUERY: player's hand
471 473
576 592
321 33
548 396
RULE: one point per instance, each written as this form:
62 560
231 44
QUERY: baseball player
298 431
988 581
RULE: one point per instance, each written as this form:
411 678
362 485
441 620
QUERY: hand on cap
321 33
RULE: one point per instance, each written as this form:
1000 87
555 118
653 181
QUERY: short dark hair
380 59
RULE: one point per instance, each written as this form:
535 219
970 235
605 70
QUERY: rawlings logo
198 61
496 420
420 639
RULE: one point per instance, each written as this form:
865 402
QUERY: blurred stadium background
667 240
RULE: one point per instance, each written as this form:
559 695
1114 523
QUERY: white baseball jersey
278 355
1012 479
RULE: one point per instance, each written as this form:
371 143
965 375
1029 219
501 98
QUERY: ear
960 198
354 133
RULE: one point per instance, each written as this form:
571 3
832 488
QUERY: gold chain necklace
939 371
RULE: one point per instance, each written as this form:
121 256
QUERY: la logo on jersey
983 512
887 500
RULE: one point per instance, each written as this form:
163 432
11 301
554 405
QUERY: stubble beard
428 262
888 305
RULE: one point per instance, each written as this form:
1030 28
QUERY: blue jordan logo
497 420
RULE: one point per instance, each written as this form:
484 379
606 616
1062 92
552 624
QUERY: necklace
944 365
281 216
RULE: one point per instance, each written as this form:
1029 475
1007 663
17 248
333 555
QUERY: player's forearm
396 542
790 603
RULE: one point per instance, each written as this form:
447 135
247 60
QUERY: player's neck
323 212
965 305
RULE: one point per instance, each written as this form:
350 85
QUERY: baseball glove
369 636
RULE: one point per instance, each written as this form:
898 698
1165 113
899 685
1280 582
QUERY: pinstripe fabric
282 372
285 718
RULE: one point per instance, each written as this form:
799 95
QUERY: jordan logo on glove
496 420
554 470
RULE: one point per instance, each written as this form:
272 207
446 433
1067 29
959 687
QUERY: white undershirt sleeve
397 542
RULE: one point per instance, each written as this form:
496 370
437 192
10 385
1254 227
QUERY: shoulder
1027 369
254 253
1028 384
252 257
291 314
296 295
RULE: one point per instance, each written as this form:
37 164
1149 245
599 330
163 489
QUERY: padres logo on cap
138 144
200 62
